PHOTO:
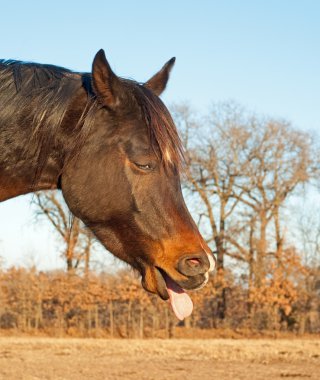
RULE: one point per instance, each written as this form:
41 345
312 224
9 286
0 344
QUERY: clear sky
263 54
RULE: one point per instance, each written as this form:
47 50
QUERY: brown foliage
57 303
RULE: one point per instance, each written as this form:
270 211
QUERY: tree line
252 184
103 305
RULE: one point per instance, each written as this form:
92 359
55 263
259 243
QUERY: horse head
125 185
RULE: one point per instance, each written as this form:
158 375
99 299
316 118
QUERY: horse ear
158 82
104 80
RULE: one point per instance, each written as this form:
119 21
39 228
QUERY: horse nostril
194 264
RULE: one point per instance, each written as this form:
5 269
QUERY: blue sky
263 54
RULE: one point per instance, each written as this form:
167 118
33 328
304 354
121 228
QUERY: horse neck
18 172
20 169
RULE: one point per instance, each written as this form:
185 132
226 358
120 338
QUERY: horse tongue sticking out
181 303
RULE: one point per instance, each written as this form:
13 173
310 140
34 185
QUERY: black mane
42 94
45 92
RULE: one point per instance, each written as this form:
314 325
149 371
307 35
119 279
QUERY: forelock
163 133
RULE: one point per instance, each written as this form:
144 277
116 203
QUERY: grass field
221 359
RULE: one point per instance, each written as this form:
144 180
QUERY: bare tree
217 160
241 170
77 239
280 159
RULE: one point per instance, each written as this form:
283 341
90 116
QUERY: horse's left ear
105 82
158 82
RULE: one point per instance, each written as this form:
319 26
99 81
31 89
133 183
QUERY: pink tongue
180 301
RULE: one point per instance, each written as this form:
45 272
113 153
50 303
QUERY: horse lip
161 285
157 285
182 284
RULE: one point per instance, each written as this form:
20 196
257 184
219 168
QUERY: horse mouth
169 289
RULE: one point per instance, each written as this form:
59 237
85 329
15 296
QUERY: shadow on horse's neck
21 170
13 185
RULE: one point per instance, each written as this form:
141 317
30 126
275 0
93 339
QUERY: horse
111 146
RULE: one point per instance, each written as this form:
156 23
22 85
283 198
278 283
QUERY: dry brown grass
76 359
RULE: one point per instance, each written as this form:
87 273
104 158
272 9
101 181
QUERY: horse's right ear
104 80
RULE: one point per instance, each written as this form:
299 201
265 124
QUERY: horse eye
144 167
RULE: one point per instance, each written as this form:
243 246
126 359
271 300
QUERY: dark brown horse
111 146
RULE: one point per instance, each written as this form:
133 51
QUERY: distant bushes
56 303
